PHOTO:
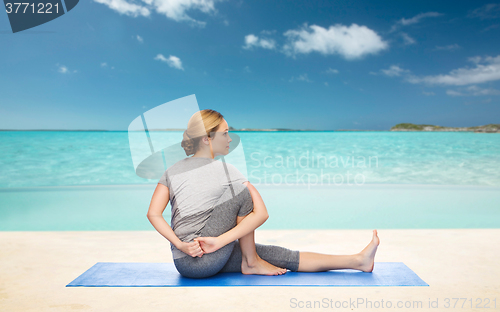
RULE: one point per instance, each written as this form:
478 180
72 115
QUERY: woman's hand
209 244
193 249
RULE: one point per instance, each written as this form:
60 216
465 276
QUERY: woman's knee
206 265
192 268
237 196
244 199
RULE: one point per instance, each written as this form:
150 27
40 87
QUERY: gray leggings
236 201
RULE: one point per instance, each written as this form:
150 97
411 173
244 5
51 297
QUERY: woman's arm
251 221
159 202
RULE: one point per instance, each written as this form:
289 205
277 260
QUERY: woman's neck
202 155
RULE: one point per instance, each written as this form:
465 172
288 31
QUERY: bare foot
367 255
260 267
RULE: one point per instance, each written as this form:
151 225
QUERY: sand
35 267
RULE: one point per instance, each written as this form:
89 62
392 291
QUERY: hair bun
187 143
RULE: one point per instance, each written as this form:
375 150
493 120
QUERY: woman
215 212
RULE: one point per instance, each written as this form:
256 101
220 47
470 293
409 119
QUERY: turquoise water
50 158
86 180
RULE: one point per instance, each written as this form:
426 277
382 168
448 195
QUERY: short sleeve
235 176
165 180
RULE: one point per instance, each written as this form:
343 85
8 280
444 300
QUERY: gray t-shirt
195 185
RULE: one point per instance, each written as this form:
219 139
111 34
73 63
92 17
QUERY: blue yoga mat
132 274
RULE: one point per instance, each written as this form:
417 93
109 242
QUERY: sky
318 65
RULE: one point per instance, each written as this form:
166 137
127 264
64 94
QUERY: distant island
491 128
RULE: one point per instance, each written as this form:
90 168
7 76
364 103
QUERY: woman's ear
205 140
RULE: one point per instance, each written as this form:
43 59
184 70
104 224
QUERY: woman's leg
363 261
248 257
275 257
307 261
204 266
251 262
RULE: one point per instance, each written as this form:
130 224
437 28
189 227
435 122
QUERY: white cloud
172 61
449 47
394 70
63 69
473 91
332 71
489 71
176 9
254 41
104 64
478 102
408 39
139 38
126 8
413 20
172 9
491 27
301 78
487 11
474 59
428 93
418 17
268 32
351 42
247 69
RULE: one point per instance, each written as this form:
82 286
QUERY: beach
37 265
433 197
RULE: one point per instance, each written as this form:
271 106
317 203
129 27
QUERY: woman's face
221 140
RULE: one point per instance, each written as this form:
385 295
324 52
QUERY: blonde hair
200 124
